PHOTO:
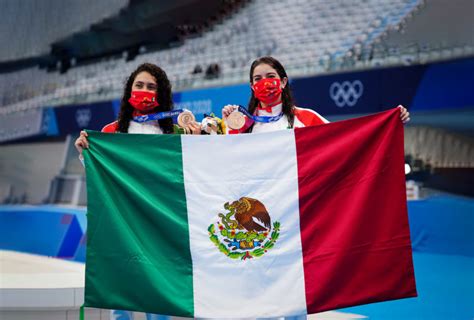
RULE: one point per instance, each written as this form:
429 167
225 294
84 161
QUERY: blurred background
63 65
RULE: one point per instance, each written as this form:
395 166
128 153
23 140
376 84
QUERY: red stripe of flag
354 222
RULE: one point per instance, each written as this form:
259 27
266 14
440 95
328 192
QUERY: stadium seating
308 37
33 27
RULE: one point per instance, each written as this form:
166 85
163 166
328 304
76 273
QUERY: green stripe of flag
130 257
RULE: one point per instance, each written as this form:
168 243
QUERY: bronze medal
185 118
236 120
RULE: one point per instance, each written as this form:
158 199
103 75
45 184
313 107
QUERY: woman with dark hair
146 78
271 107
147 91
271 101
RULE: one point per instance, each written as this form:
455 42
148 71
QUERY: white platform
38 287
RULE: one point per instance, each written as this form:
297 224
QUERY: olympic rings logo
346 93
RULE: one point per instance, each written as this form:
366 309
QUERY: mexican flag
260 225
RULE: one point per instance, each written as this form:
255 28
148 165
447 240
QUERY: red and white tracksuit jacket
303 118
151 127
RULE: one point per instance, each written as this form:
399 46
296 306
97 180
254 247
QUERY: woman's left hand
404 114
193 128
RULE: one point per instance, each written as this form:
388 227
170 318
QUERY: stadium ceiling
148 23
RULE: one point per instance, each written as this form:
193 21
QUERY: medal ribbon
157 116
264 119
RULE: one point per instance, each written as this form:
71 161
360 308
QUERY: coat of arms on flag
245 231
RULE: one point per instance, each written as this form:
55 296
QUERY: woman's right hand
81 142
193 128
228 109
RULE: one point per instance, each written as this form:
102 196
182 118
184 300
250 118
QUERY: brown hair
286 97
163 93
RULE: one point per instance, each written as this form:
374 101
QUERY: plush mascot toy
212 124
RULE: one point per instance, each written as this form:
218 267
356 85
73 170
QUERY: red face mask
268 90
143 101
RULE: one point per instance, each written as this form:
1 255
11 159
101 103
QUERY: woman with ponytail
271 102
